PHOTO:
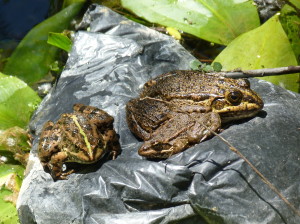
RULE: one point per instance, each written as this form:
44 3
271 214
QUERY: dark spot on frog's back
79 107
44 139
48 128
54 138
47 147
74 133
150 83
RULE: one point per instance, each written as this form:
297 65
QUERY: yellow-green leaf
10 183
264 47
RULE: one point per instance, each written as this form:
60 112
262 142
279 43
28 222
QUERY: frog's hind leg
146 115
113 143
55 166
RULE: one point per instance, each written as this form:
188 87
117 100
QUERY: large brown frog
180 108
83 136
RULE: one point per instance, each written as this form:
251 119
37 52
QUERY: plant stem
259 72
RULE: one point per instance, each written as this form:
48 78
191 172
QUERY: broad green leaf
60 40
10 183
67 3
296 3
31 59
264 47
17 102
218 21
291 24
7 169
8 214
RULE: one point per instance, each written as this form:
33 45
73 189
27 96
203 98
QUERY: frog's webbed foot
116 148
64 175
113 155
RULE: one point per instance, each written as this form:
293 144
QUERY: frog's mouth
244 110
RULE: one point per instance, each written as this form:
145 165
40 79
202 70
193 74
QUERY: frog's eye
234 97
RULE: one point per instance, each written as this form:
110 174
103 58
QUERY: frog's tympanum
83 136
178 109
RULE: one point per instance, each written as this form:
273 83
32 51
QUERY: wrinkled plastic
207 183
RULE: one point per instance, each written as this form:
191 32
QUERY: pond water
17 17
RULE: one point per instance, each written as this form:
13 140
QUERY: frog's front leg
169 138
163 150
55 166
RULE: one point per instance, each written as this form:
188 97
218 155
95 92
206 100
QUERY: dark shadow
194 163
89 168
85 168
262 114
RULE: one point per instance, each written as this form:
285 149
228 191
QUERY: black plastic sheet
207 183
268 8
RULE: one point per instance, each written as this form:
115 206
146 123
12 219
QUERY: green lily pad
17 102
264 47
216 21
32 58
